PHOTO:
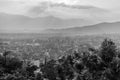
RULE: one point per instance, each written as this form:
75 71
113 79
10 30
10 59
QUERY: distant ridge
102 28
10 23
98 29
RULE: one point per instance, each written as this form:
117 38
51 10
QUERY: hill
102 28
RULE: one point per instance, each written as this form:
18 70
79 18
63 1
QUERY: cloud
37 11
95 10
64 11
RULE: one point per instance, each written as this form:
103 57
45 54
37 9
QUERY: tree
12 64
5 55
108 51
48 70
30 70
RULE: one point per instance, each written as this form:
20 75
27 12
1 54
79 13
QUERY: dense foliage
94 64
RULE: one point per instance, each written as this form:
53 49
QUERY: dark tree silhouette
49 70
108 51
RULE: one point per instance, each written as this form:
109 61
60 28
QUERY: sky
72 12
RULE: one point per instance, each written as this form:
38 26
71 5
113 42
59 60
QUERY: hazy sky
90 11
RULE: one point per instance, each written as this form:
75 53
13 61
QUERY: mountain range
23 24
18 23
102 28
